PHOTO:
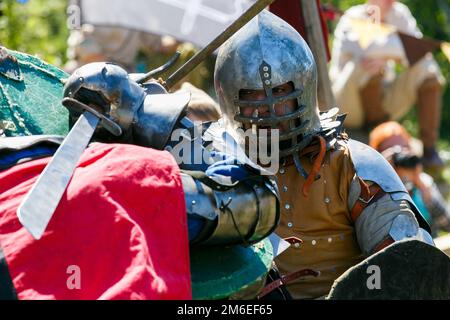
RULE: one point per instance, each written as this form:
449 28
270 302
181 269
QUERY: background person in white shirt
366 85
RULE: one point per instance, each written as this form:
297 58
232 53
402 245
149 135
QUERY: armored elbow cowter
241 213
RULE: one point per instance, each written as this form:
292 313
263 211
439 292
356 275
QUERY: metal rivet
324 181
282 171
266 75
267 82
285 189
193 202
297 245
265 68
314 242
290 224
327 200
287 206
330 239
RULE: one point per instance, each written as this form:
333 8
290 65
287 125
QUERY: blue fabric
228 166
418 201
11 158
195 225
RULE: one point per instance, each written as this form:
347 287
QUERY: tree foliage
36 27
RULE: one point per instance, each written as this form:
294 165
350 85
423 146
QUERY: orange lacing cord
316 166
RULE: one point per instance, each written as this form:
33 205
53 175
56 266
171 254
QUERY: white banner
196 21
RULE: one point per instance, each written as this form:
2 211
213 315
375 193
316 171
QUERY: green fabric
30 97
218 272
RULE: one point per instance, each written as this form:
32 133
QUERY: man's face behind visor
263 111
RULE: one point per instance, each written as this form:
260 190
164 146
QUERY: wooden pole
315 38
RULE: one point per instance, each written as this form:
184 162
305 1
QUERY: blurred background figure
115 44
367 82
201 107
395 144
135 51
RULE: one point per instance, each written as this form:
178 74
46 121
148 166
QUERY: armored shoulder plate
157 117
371 165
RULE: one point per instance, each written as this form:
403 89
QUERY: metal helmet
107 85
266 53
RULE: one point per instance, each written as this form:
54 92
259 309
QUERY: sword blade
40 203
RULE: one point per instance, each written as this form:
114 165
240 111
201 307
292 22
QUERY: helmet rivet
267 82
265 68
266 75
81 79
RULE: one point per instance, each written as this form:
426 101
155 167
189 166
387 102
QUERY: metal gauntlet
241 213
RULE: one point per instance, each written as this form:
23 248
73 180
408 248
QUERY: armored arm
381 208
243 212
146 113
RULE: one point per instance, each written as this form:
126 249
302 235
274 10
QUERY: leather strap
368 196
286 279
384 244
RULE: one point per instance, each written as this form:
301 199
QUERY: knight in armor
340 200
224 202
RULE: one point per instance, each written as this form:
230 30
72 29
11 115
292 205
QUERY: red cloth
122 221
291 12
